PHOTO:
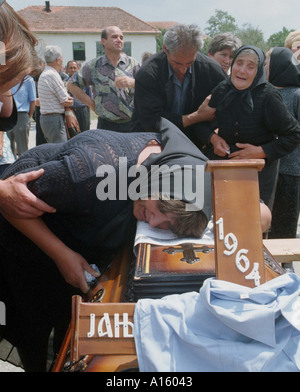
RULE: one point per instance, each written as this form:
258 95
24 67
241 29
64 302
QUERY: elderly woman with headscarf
283 70
252 120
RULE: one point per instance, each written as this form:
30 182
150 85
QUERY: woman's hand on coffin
72 266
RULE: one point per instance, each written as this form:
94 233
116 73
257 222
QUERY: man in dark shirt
175 83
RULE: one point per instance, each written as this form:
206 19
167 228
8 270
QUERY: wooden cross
239 252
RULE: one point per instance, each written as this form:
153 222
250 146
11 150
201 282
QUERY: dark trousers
83 117
39 136
19 135
286 207
267 179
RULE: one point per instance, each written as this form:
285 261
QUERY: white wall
139 44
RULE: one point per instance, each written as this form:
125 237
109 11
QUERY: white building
77 30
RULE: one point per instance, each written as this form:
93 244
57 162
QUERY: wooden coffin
161 270
111 287
158 271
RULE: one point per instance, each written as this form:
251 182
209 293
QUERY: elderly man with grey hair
175 83
54 97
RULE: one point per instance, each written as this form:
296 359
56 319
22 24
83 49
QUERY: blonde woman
18 59
292 42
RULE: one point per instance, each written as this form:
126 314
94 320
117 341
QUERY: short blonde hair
19 45
291 38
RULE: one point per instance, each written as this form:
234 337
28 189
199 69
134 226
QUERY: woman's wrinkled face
147 211
243 71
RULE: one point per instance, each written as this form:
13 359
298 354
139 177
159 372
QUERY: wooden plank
284 250
237 228
113 286
101 329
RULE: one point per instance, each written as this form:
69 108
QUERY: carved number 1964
241 260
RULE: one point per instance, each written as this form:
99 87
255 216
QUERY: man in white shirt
54 97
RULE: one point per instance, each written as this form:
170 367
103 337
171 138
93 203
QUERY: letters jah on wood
121 326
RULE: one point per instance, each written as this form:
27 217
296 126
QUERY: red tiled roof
83 19
163 25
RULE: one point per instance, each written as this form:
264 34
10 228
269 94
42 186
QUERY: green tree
160 39
250 35
205 46
220 23
278 39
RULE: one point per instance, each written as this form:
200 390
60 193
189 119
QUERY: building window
127 48
100 48
79 51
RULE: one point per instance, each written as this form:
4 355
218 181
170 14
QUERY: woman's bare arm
7 104
71 264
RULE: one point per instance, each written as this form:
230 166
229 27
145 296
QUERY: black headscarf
228 92
284 69
179 151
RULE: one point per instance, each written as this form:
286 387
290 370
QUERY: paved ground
7 367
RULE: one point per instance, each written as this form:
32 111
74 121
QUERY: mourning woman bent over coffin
93 183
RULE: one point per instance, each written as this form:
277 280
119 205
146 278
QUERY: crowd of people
177 107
